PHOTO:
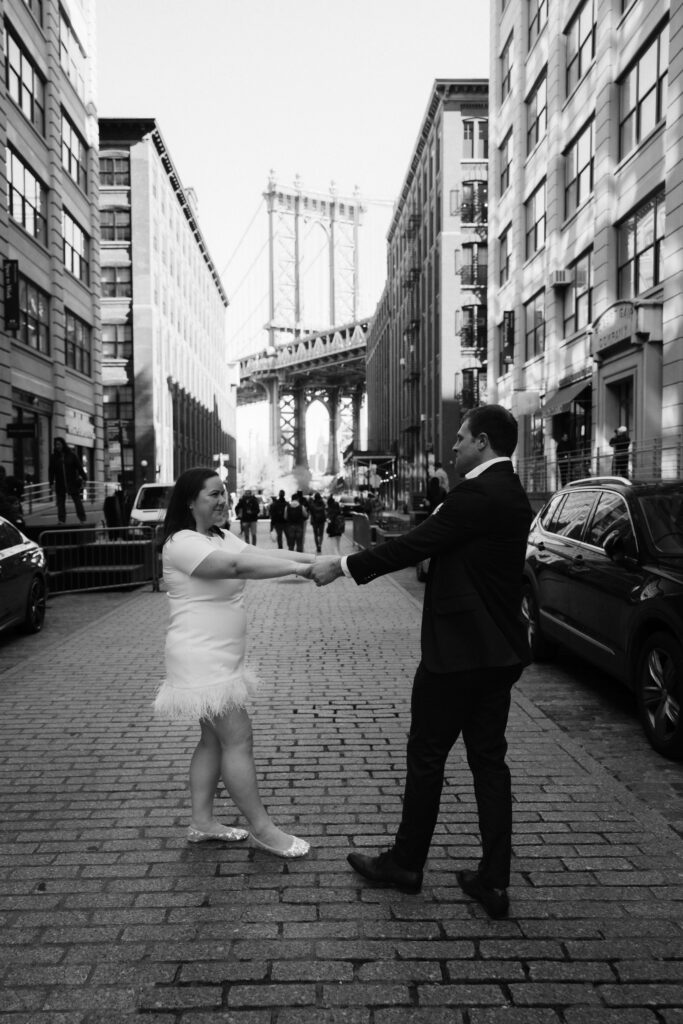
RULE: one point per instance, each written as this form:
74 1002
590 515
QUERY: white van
149 507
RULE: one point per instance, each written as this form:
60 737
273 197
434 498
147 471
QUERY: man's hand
325 570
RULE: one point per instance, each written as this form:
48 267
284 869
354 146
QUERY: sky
331 90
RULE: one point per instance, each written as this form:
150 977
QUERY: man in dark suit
474 647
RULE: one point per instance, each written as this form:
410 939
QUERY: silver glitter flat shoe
226 835
297 847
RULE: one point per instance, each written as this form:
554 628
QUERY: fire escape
474 278
410 421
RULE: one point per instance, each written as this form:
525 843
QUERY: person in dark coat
563 453
318 514
620 443
66 476
278 509
474 647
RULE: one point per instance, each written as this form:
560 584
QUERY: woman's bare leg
205 771
233 735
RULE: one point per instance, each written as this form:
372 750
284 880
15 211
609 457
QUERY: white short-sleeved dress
206 640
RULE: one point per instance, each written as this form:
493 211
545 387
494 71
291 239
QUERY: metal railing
102 558
660 458
37 496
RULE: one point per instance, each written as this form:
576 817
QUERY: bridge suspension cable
244 235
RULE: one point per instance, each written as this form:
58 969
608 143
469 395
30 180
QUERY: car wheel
659 690
35 606
541 649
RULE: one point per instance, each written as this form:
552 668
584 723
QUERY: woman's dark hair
187 487
499 425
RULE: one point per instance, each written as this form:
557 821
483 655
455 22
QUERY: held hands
325 570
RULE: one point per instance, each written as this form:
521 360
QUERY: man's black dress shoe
385 872
494 901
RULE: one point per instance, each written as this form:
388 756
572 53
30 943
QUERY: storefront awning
560 400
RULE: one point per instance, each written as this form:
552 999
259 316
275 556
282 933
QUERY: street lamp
143 467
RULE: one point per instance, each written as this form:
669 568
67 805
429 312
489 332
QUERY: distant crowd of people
289 518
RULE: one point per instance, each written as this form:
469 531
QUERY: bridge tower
313 250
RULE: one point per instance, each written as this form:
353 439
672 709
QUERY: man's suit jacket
476 541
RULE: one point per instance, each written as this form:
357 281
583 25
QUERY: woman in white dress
204 569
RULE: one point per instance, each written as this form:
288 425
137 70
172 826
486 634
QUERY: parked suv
604 577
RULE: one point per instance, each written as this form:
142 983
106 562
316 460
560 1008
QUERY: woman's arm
248 565
293 556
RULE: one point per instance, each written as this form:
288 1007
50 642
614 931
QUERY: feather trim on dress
189 703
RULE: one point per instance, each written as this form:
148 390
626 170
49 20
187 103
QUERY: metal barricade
101 558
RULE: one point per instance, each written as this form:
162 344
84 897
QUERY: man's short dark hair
497 423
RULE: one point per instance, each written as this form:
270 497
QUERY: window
580 37
642 93
578 169
640 242
9 538
505 151
115 224
536 114
34 316
77 344
571 516
611 513
474 270
24 83
114 170
76 247
117 341
473 330
26 197
74 153
118 402
36 9
506 70
534 319
469 396
71 55
475 140
475 202
116 282
535 220
504 252
578 296
538 18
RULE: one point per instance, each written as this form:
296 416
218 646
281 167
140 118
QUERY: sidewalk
109 916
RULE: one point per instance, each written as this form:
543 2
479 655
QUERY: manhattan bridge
301 334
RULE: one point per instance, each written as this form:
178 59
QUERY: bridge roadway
334 358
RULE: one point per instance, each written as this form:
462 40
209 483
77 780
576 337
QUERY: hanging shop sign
10 279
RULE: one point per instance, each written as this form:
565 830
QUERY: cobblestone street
109 916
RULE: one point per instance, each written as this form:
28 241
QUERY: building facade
50 375
168 399
586 274
426 349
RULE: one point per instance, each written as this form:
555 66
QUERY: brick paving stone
108 915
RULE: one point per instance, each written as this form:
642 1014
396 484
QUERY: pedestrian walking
620 443
295 519
66 476
278 507
205 568
336 524
318 515
563 453
474 647
247 511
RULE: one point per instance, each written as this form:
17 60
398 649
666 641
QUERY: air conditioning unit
560 278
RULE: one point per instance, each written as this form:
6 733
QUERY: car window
154 498
550 511
9 536
572 514
664 517
611 513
